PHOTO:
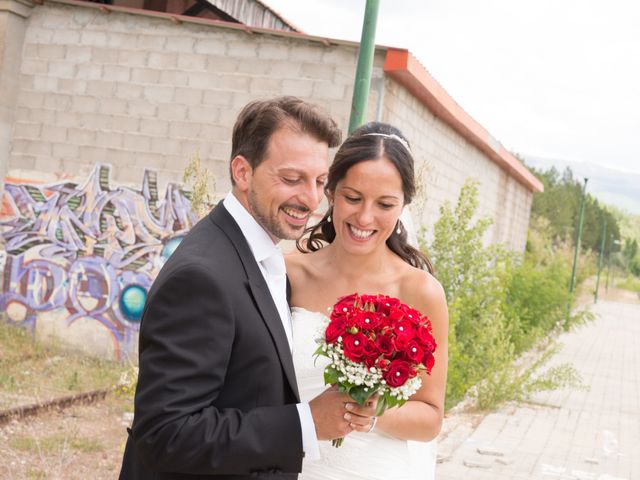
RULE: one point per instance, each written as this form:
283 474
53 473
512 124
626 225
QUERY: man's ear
241 171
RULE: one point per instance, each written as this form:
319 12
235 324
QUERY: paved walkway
567 434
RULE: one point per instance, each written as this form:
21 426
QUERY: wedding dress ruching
362 456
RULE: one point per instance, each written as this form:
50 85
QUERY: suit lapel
260 291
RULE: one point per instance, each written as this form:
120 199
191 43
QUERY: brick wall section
136 92
13 16
143 92
445 160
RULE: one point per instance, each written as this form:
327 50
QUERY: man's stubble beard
270 223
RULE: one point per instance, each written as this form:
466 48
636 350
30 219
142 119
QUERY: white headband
390 135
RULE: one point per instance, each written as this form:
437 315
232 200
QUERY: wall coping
21 8
405 69
400 65
178 19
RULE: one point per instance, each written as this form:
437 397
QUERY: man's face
283 191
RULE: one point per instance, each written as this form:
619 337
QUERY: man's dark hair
260 119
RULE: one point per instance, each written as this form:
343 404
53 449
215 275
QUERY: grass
629 283
30 369
56 443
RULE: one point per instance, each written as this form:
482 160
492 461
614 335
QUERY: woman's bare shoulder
422 290
301 265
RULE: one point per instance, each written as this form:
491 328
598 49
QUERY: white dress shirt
264 249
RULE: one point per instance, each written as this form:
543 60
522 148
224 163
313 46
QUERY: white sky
549 78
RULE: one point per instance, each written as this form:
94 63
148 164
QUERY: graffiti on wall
87 251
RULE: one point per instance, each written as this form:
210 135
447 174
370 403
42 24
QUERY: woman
360 245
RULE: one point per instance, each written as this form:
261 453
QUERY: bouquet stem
337 442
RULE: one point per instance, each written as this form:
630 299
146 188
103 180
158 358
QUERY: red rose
413 352
428 361
398 373
401 343
411 314
385 304
369 301
345 305
385 345
404 329
371 353
367 320
383 363
336 328
354 345
395 314
424 336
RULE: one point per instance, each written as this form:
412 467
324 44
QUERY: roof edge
177 19
404 68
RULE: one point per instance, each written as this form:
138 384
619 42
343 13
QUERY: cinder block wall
13 24
137 91
446 160
140 92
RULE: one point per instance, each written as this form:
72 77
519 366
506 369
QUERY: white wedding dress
362 456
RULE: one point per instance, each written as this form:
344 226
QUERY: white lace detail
362 456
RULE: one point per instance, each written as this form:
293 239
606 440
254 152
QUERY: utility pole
365 65
600 259
572 285
578 237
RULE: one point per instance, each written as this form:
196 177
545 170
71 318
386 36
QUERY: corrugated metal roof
254 14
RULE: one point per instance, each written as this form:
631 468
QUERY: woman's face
366 205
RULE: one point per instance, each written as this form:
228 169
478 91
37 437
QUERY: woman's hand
362 418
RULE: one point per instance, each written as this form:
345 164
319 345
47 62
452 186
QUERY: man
216 395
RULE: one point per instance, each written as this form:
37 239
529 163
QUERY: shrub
500 304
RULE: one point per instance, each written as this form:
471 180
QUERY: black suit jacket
216 391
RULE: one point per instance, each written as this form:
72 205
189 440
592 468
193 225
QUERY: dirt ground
77 443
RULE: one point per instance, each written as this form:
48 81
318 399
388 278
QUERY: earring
329 219
399 229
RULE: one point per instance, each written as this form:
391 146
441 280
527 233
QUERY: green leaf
359 394
331 376
320 352
382 405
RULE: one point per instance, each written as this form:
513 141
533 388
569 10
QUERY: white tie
277 281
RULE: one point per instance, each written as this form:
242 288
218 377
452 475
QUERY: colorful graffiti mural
87 252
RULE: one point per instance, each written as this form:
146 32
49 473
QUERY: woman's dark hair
371 141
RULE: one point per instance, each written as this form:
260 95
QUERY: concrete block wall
96 98
13 24
140 92
445 160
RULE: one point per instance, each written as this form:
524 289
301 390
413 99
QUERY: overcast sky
549 78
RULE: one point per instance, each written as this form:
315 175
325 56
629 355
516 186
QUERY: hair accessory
390 135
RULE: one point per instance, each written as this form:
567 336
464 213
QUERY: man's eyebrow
299 171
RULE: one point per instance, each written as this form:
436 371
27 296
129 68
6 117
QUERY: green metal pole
606 285
365 65
577 249
600 260
578 238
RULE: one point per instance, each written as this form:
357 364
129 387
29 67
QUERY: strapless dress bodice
362 456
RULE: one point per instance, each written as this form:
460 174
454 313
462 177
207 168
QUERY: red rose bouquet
376 345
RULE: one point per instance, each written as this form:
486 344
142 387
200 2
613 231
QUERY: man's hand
333 420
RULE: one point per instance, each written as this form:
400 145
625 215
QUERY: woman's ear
329 196
241 172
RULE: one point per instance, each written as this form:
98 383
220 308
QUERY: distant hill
610 186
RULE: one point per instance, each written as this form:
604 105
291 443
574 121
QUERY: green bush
500 305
